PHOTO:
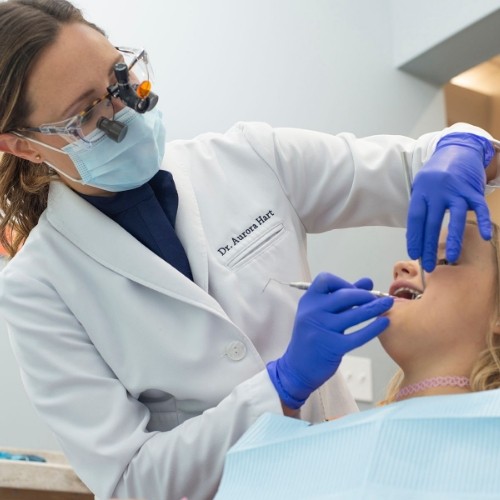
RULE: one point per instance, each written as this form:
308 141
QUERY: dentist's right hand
325 311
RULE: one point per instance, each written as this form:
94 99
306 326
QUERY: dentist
134 297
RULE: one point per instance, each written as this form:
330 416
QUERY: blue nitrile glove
325 311
453 179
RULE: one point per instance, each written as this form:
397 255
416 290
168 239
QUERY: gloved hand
318 342
453 179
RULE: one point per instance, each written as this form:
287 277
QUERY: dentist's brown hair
27 27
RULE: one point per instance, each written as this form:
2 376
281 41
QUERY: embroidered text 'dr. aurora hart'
236 239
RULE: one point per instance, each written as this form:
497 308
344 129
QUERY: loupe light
144 89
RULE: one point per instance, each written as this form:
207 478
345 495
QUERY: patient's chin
394 341
386 340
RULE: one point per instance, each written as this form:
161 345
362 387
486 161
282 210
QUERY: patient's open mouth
405 292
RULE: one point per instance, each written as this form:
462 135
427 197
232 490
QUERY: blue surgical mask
118 166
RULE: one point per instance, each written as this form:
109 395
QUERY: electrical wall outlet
357 373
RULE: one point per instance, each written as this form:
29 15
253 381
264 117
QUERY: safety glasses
81 125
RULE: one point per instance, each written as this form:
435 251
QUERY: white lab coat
147 378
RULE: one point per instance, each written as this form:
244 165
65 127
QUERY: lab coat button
236 350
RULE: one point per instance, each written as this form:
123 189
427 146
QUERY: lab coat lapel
189 228
110 245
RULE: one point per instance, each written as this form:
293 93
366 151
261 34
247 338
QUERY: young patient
446 341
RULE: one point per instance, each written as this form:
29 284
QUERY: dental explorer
304 285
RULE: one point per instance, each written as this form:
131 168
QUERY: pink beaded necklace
431 382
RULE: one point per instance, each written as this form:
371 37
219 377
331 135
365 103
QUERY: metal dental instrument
304 285
409 184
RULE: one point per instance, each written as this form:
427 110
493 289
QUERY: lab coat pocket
254 246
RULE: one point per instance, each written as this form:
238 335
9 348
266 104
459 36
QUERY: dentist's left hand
453 179
325 311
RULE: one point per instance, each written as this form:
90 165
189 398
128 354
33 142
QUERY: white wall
319 64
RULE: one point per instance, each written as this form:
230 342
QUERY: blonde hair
485 373
27 27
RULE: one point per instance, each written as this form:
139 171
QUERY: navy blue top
148 213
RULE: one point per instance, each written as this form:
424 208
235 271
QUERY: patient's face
456 310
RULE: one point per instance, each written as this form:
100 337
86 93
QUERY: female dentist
134 298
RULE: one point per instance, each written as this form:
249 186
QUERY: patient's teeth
407 293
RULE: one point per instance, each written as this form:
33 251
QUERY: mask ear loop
59 171
48 146
64 174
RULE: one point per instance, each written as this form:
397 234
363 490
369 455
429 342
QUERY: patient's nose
405 269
